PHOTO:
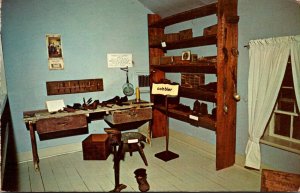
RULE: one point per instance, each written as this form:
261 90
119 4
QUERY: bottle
137 95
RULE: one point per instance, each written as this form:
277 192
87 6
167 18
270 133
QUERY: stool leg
141 152
117 159
117 155
130 149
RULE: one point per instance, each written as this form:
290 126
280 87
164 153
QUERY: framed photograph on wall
186 55
54 49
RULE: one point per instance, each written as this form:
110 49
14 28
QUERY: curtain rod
246 46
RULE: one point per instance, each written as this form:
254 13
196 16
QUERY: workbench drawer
61 127
129 115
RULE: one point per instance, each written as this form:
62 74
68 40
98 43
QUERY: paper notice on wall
119 60
165 89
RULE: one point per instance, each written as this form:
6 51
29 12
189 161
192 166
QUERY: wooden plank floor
194 170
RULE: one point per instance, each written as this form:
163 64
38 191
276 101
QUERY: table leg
34 147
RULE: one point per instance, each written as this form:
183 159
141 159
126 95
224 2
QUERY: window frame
283 142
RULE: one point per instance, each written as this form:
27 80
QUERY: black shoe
203 109
112 101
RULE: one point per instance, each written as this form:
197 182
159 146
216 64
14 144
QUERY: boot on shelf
141 178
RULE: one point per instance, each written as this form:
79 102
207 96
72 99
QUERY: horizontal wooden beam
187 15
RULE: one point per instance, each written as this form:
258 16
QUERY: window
142 80
284 125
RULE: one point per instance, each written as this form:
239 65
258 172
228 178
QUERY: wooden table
62 124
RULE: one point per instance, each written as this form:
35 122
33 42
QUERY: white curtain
295 59
268 59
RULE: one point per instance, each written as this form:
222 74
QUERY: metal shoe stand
167 155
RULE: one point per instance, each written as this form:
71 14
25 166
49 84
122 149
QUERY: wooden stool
120 144
133 141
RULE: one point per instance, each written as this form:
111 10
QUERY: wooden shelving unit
225 69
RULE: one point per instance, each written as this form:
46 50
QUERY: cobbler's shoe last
141 178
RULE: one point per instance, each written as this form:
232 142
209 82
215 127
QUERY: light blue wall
263 19
90 29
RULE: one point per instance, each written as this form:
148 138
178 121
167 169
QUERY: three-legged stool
120 144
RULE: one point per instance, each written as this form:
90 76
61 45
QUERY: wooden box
155 60
192 80
166 60
61 127
172 37
129 115
211 30
96 147
278 181
186 34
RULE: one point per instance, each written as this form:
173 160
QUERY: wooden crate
211 30
192 80
166 60
278 181
186 34
96 147
171 37
155 60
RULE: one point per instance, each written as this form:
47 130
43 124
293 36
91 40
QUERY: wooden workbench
62 124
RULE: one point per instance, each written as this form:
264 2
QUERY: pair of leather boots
200 108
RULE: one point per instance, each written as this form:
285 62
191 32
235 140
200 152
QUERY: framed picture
194 57
186 55
55 55
142 80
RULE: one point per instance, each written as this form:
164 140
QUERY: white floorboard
193 171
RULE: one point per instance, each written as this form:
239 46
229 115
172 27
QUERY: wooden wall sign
74 86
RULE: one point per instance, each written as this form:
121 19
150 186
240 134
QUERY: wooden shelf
185 16
188 43
199 67
203 121
225 66
192 93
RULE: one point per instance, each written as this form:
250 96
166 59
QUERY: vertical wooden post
158 123
226 70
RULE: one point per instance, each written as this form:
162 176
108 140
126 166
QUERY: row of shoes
199 108
90 104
